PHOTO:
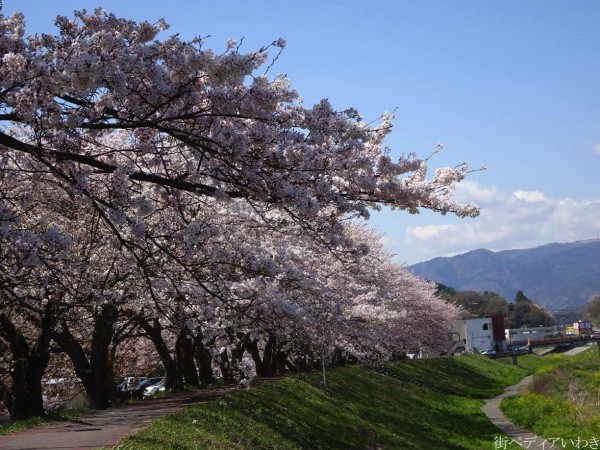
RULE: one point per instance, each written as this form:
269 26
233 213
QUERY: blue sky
511 85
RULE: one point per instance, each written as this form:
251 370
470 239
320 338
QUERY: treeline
521 312
170 209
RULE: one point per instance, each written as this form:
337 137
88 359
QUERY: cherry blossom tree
364 306
55 287
31 296
150 184
106 103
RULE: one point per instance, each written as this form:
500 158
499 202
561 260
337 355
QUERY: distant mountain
558 276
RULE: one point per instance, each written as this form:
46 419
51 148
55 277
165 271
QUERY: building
481 334
520 336
582 327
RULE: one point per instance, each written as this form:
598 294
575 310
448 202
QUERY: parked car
155 388
135 387
490 353
143 384
129 383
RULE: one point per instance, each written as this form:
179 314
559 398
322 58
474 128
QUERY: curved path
517 435
97 429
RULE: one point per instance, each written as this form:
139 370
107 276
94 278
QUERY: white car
155 388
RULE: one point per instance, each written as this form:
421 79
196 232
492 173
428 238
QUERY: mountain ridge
557 275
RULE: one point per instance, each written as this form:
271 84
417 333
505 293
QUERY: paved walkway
519 436
98 429
576 350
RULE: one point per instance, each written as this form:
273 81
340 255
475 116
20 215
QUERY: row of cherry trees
165 204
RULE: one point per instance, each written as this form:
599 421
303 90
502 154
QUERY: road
98 429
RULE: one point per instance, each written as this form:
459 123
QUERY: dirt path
98 429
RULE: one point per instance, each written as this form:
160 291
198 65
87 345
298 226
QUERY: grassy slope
358 408
563 402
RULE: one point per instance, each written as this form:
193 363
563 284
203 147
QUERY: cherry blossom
155 191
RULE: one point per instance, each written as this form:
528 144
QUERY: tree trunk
173 380
281 361
95 372
226 369
204 360
27 376
303 364
29 363
67 342
273 361
242 341
6 396
252 348
270 357
337 359
184 351
100 363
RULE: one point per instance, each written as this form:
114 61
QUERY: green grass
358 409
65 414
564 400
485 377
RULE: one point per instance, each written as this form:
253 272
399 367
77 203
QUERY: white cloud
431 231
531 196
597 148
469 191
521 220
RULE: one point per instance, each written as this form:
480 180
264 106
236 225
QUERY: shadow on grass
471 376
358 408
58 416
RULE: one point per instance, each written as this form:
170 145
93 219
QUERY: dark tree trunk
27 376
184 350
252 348
77 355
301 364
242 341
96 373
274 360
226 369
29 363
6 396
204 359
100 363
338 359
173 379
270 357
281 361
